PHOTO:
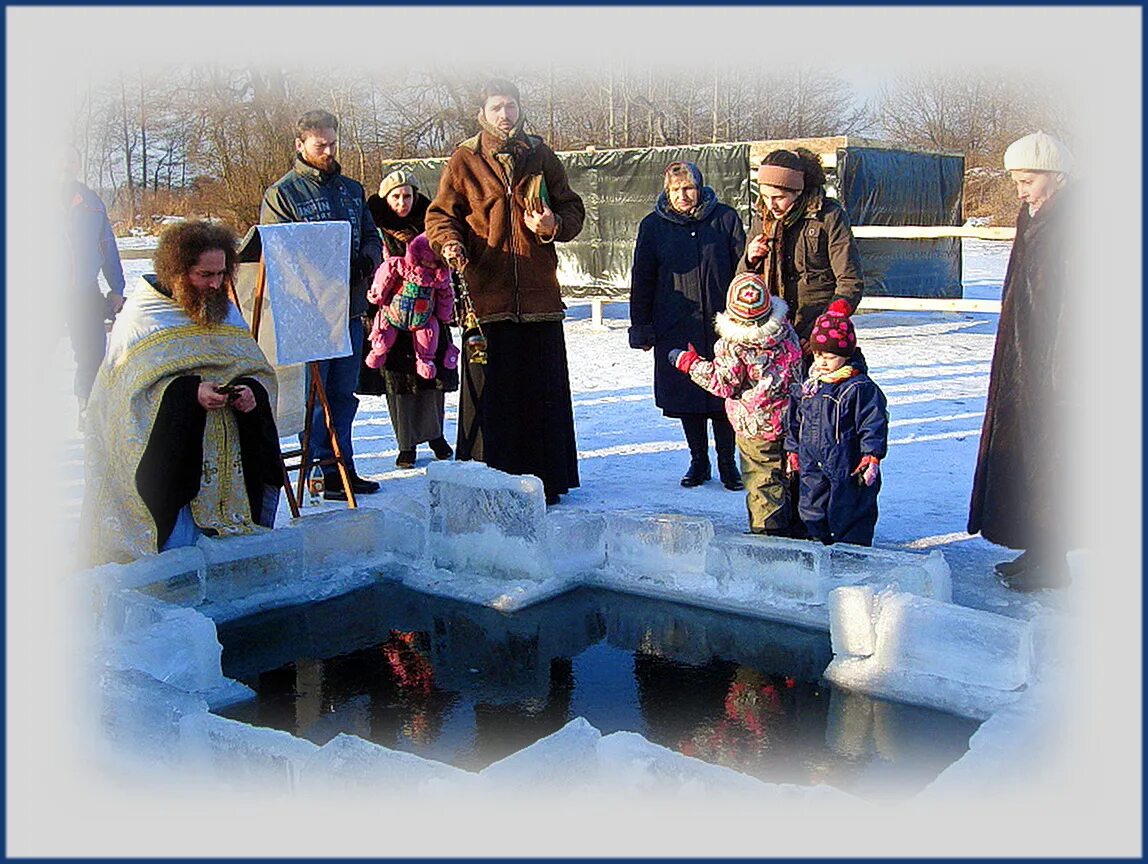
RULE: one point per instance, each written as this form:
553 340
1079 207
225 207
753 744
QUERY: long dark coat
1017 500
682 269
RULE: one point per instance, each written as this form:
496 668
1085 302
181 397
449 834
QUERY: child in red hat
837 435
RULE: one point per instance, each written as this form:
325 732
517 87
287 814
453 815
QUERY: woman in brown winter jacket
802 244
801 240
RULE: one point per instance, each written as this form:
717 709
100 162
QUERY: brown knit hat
833 331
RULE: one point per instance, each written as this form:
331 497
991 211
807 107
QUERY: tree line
207 140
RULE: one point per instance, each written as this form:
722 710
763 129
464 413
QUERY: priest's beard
207 306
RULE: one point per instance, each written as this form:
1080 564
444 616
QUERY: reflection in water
470 685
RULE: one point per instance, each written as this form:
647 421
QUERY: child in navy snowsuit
837 435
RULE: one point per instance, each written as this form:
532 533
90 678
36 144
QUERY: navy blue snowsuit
830 431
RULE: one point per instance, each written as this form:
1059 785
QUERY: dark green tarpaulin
619 188
900 187
877 187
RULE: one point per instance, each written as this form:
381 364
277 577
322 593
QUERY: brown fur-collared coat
511 274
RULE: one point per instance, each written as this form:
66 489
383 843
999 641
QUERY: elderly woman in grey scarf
684 258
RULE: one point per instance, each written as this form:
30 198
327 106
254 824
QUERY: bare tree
977 114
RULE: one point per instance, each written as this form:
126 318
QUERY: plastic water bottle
315 486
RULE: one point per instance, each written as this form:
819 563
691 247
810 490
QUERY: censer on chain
472 331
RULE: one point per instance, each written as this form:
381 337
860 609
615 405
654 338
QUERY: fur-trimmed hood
736 330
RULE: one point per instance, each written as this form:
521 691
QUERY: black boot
440 448
730 476
725 442
698 472
1008 568
694 425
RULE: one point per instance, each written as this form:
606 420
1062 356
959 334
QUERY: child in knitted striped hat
757 358
837 435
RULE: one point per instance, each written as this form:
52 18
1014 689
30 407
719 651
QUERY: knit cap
396 179
748 298
833 331
1038 152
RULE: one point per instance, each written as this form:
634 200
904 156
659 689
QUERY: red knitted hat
748 297
833 331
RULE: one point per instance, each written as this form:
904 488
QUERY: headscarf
707 198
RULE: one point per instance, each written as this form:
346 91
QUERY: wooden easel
314 389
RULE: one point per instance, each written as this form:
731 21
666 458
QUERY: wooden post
316 390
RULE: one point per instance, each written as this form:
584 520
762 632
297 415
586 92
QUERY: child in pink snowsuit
414 293
757 358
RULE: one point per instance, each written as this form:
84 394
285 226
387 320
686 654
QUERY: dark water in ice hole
468 685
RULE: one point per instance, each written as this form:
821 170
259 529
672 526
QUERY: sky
1096 51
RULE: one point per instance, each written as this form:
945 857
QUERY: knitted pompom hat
833 331
748 298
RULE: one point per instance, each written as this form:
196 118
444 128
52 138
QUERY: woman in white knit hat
1019 496
416 405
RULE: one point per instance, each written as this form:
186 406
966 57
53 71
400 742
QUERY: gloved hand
362 268
793 463
455 256
683 360
867 470
642 336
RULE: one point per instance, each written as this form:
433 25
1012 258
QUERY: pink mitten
450 357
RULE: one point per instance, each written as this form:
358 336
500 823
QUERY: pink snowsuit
753 369
414 293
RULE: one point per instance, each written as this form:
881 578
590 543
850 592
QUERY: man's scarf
508 148
152 343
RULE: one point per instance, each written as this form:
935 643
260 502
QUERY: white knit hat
1038 152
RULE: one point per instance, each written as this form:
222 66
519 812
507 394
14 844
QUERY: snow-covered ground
933 368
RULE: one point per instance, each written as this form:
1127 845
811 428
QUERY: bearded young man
181 437
503 201
315 190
